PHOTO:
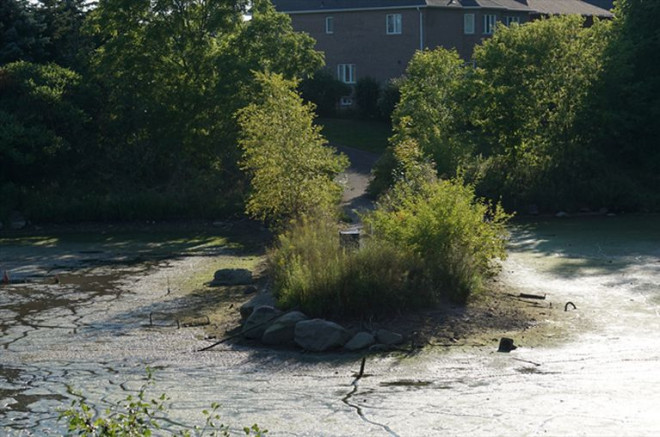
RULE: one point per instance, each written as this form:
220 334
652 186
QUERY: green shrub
367 92
313 273
441 223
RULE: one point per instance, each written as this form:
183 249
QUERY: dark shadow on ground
589 244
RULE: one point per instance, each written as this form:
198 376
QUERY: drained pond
83 315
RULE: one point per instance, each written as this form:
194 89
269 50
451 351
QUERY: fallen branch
531 296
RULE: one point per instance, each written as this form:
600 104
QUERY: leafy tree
623 123
43 126
67 45
291 169
531 85
174 73
21 33
430 107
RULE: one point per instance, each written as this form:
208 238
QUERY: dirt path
357 179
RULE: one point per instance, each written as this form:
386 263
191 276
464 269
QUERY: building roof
544 7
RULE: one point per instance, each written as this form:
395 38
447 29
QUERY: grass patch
371 136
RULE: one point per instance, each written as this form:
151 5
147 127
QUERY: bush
312 272
441 223
367 92
324 91
388 99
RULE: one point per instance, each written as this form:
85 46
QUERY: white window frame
489 23
330 25
393 24
346 73
509 19
469 24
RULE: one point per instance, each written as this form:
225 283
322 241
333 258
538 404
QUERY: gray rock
260 320
388 337
361 340
561 214
232 277
319 335
281 332
258 300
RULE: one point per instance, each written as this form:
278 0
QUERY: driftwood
531 296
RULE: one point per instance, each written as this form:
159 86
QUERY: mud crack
346 400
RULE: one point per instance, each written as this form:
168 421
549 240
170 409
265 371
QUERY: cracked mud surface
588 371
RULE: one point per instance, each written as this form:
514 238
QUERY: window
489 24
393 24
509 19
329 25
346 73
468 24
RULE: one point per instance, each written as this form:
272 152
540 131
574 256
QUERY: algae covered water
592 370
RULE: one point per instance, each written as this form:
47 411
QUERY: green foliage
442 223
388 99
431 107
623 107
291 170
42 127
428 241
21 33
367 92
312 272
530 87
521 125
140 416
324 90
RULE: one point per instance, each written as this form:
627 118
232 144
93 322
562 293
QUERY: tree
174 72
63 20
430 109
291 169
21 33
624 127
42 124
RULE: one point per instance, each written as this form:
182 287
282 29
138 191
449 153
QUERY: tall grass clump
312 272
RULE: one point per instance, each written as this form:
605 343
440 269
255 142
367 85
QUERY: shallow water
600 377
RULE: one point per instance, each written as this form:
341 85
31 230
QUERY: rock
361 340
259 300
281 332
561 214
250 290
603 211
232 277
259 321
319 335
506 345
388 337
533 210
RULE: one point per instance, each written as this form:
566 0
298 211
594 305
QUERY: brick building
377 38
